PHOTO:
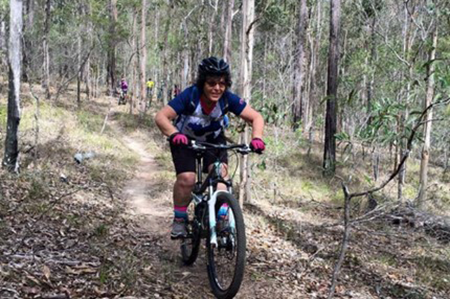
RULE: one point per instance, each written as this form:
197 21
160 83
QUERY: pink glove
178 139
257 145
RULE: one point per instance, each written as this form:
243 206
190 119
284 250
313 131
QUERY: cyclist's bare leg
182 188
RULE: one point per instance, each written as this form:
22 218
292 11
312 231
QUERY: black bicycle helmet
213 66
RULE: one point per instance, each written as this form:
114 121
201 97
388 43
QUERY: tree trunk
247 40
79 49
370 77
315 46
156 50
132 62
143 58
27 46
111 67
133 83
407 46
46 66
298 101
228 31
329 161
185 54
165 55
11 156
212 29
428 119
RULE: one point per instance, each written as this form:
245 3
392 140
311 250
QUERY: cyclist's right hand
178 139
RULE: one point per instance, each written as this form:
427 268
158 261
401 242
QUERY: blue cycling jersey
195 123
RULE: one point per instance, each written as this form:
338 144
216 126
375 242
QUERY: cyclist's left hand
257 145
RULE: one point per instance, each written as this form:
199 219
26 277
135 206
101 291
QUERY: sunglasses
213 83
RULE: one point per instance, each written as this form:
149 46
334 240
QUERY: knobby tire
238 264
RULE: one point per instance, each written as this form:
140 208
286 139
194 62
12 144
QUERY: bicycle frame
209 184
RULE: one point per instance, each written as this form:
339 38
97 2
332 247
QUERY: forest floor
100 228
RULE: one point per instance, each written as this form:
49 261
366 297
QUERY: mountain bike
123 98
224 235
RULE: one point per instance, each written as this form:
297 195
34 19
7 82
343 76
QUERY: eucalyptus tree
228 29
247 42
45 47
428 117
329 160
112 45
11 155
143 78
300 104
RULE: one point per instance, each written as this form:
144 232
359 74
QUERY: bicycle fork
212 216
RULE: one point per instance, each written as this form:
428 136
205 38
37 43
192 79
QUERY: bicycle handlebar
198 146
202 146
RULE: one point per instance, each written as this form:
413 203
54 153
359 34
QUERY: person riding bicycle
124 86
150 84
200 115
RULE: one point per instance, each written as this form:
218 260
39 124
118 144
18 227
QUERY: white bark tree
247 41
143 101
428 118
228 30
299 102
11 156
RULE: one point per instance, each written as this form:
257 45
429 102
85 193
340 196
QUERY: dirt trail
140 192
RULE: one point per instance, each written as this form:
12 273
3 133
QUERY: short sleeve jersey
150 84
195 123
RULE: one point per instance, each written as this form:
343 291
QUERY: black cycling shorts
184 158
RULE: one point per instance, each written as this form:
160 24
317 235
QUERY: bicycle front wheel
226 262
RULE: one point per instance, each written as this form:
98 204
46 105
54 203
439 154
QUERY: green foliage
4 8
276 15
384 118
262 165
3 115
371 7
271 113
101 230
342 136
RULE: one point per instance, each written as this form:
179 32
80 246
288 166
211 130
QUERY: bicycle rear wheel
226 262
191 244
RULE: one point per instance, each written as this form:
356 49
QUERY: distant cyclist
200 115
124 86
150 85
